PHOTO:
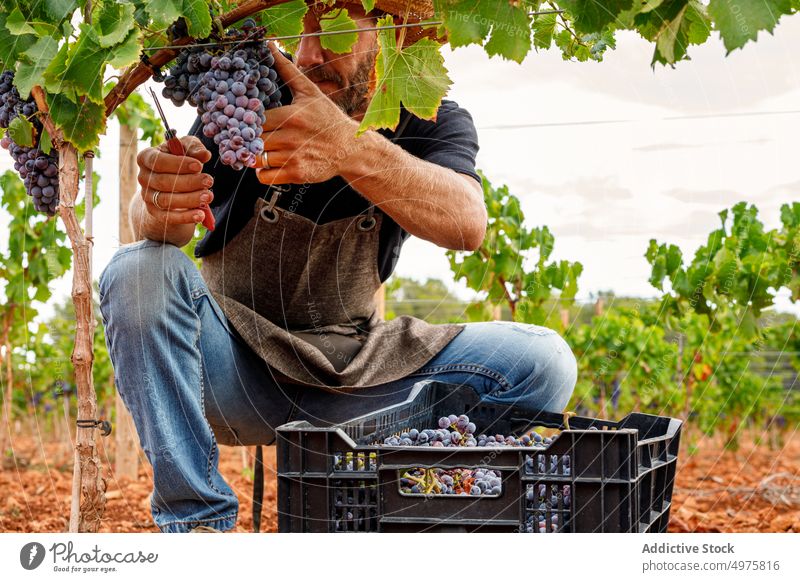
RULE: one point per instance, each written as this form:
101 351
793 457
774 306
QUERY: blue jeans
191 383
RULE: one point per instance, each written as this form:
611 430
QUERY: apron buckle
268 212
368 222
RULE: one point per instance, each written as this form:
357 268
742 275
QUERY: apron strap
369 220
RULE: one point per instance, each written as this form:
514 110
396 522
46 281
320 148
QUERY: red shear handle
176 148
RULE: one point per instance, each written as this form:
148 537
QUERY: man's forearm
427 200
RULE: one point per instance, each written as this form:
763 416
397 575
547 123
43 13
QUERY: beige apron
284 273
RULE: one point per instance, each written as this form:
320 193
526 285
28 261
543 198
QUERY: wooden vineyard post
5 437
564 314
126 448
497 312
88 488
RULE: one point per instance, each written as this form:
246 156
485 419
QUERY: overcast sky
608 155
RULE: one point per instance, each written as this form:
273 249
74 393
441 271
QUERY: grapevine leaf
17 24
12 45
45 143
592 16
127 52
37 58
340 22
511 33
749 324
689 26
78 71
21 131
198 18
140 13
543 28
81 124
164 12
368 5
740 20
463 24
415 77
285 20
113 23
60 9
505 23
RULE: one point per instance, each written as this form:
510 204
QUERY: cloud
663 147
717 197
668 146
593 189
785 192
636 226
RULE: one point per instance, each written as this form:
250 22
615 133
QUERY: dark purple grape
39 171
231 89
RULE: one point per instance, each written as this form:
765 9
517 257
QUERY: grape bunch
458 431
39 170
540 524
458 481
539 501
231 89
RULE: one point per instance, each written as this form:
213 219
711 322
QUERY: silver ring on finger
155 200
264 159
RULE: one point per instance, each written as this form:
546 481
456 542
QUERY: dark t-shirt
451 142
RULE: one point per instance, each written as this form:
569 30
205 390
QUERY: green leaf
511 33
45 143
285 20
21 131
689 26
12 45
113 23
127 52
37 58
78 67
543 27
164 12
368 5
60 9
749 325
464 23
415 77
338 21
740 20
198 18
17 24
82 124
591 15
506 24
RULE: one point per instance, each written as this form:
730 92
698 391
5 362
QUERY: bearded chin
353 98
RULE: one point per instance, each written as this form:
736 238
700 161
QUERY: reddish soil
755 489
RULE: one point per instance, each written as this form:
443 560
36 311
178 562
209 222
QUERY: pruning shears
176 148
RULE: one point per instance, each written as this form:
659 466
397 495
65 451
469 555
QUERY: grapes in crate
38 170
457 481
458 431
231 84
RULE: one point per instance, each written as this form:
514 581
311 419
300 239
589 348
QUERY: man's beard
351 96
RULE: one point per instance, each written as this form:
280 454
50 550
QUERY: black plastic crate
596 476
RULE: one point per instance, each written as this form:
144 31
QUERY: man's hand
307 141
183 189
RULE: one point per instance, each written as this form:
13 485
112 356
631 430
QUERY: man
280 323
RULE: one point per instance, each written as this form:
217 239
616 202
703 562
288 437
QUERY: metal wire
321 33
